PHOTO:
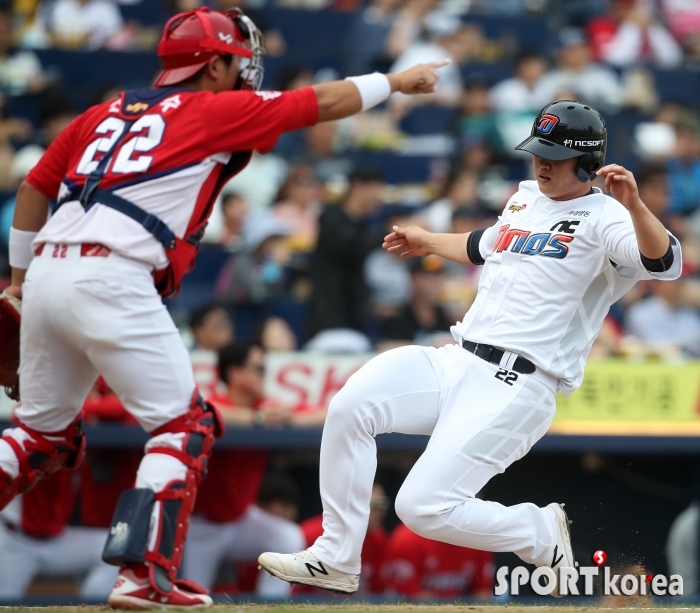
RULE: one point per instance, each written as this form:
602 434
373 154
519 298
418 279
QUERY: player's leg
485 426
258 531
142 358
208 543
55 378
21 559
397 391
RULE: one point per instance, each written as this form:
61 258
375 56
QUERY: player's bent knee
40 455
412 509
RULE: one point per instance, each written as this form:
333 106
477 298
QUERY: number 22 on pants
507 376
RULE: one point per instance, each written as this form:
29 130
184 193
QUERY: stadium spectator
461 190
454 43
630 34
387 274
423 315
477 122
521 93
652 181
20 69
212 329
55 113
228 524
257 273
340 297
418 567
77 24
366 44
298 206
274 334
22 162
373 547
684 166
663 323
594 84
233 212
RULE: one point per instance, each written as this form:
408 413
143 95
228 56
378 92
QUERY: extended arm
31 212
413 240
339 99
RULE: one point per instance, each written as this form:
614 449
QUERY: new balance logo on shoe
556 561
311 568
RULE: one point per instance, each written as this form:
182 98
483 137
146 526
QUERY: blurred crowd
292 258
298 233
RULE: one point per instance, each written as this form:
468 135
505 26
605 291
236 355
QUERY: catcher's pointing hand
408 242
420 79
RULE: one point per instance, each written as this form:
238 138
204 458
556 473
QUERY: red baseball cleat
135 593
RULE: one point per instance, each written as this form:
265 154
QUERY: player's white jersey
552 270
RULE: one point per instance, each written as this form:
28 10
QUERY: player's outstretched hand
621 184
420 79
408 241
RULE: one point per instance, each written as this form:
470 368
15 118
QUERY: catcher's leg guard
40 455
129 538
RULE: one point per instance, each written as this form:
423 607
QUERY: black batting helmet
568 129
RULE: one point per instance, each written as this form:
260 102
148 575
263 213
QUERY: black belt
493 354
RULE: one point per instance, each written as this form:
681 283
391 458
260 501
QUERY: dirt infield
360 608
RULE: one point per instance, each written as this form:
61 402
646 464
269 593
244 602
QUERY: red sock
139 569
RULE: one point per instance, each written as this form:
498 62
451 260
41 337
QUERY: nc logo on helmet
547 123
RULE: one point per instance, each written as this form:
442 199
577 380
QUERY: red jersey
415 566
373 549
233 479
176 149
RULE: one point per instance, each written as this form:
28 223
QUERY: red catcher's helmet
191 39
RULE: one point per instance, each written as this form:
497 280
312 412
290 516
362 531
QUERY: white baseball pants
76 551
479 425
87 315
209 543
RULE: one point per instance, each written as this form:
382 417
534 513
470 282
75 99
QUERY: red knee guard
41 455
201 425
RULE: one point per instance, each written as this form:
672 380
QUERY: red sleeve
47 175
402 569
483 579
242 121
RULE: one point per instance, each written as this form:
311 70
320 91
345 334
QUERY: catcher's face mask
252 71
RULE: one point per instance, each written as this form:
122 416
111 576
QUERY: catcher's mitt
10 309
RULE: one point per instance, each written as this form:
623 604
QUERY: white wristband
374 88
21 253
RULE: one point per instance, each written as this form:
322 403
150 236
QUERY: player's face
558 180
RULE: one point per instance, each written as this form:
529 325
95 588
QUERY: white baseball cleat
563 556
305 568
